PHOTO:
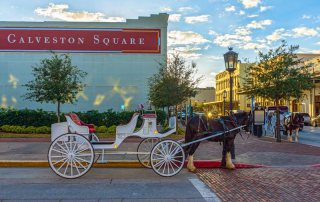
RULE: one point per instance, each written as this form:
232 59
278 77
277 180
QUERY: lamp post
230 61
224 102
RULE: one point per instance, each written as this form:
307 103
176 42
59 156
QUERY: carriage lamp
230 61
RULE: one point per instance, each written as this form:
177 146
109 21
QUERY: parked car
306 119
315 121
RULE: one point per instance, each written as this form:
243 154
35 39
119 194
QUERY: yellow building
240 102
310 103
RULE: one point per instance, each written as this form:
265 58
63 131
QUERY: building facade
118 57
223 85
309 103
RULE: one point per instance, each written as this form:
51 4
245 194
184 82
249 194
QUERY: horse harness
222 122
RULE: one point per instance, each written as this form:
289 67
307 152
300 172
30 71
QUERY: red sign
80 40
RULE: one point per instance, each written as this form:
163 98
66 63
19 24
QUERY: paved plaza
264 184
291 172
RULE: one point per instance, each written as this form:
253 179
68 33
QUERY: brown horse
291 123
200 127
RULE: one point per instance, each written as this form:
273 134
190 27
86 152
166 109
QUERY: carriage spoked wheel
167 158
144 149
71 155
95 138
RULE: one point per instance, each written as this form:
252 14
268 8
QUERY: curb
121 164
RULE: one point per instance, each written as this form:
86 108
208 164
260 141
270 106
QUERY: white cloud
252 46
165 9
242 31
187 44
250 3
186 52
306 17
212 32
252 16
60 12
185 9
174 17
230 9
259 24
215 57
264 8
197 19
242 12
304 31
185 38
276 35
318 43
227 40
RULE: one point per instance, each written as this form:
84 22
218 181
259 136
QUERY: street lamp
224 102
231 61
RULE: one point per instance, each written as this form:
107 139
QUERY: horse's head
243 118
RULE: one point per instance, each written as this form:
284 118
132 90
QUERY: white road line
205 191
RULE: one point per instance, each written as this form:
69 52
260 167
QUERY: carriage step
102 142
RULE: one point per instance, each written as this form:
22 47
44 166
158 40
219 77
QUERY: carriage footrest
103 142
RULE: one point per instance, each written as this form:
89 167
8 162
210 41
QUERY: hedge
25 130
38 118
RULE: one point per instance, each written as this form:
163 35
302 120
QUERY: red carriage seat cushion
77 121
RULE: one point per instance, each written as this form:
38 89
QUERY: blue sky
200 30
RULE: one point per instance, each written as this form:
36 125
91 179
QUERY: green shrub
30 129
43 130
25 130
5 128
102 129
39 118
112 129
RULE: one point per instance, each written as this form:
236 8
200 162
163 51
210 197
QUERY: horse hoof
231 168
192 170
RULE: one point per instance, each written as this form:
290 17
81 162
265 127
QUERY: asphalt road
101 184
310 136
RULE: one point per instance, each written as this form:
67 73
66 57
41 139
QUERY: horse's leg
190 164
229 163
224 151
296 135
226 154
233 152
289 134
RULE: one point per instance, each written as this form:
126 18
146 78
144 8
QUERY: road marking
205 191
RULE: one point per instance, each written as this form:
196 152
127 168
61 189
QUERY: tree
173 84
279 74
56 80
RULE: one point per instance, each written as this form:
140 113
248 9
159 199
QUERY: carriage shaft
211 136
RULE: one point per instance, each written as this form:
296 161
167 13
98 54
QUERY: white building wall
113 79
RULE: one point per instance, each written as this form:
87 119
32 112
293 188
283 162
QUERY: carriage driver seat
129 127
74 121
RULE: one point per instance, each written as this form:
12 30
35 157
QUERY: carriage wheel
70 155
144 149
167 158
95 138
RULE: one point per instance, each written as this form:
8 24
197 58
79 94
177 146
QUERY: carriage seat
75 119
129 127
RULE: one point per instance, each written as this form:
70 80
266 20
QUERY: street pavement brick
264 184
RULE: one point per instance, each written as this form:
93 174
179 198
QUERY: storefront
118 57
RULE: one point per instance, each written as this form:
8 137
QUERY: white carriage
75 147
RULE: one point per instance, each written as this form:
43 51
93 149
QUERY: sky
199 30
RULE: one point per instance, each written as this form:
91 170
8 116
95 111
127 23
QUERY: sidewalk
255 151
